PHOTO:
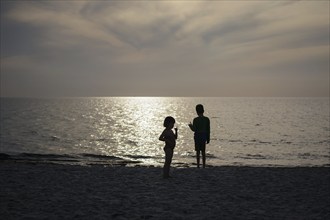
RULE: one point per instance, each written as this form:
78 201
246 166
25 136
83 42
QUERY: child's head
169 121
199 109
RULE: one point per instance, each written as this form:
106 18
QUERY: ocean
109 131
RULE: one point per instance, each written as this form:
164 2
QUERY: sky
164 48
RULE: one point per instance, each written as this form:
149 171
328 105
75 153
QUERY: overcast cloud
164 48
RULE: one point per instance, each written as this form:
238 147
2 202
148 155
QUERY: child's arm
191 126
162 136
176 133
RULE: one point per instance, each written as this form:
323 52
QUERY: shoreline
53 191
86 159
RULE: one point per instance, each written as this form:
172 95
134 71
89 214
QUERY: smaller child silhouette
170 141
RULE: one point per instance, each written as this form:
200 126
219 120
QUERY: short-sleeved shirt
201 127
201 124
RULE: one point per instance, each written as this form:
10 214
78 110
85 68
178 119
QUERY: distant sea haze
244 131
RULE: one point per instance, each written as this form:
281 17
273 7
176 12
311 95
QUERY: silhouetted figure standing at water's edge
201 127
170 141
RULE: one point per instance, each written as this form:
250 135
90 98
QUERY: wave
74 159
34 155
255 157
97 156
140 157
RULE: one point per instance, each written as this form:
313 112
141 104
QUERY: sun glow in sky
164 48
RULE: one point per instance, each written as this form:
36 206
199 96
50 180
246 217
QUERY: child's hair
168 120
199 109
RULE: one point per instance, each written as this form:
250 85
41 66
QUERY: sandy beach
51 191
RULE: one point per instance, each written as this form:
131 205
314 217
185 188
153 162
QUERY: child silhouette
201 127
170 141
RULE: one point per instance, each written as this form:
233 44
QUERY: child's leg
203 158
168 160
197 157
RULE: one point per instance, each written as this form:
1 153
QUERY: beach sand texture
50 191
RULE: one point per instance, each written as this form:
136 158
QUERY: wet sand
50 191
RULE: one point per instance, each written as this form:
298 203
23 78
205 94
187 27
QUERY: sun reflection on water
133 124
129 127
146 116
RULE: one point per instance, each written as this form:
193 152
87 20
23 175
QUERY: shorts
200 141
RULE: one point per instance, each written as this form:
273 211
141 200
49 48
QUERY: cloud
62 26
143 47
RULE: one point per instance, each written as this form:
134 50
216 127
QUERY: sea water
244 131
